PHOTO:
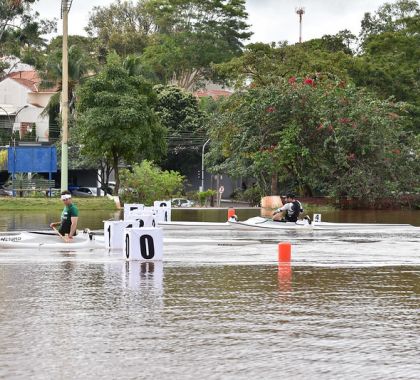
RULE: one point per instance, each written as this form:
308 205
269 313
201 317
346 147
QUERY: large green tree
21 31
178 39
180 114
314 133
124 27
116 121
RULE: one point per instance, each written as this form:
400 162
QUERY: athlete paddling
68 224
290 211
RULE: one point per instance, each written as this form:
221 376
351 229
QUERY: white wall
13 93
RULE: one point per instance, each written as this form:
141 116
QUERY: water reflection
113 320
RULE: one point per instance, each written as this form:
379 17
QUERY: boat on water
265 223
91 240
48 240
186 226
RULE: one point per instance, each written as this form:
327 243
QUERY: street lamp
65 9
202 165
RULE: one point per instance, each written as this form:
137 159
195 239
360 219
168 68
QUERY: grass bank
33 204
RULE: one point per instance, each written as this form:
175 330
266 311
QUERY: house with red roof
22 102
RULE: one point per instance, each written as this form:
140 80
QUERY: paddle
62 237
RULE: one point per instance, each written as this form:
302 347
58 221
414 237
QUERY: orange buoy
231 213
284 252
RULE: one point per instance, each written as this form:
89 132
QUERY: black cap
290 195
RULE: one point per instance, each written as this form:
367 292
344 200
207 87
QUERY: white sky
271 20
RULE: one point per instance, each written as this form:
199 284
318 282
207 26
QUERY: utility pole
300 11
65 9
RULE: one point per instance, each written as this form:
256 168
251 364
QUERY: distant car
5 192
182 202
83 192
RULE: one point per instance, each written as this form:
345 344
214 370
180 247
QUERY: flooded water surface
346 308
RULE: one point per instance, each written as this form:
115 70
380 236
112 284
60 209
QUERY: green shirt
69 212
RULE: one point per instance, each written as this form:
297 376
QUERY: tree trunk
274 180
117 174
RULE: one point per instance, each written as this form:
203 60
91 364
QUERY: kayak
48 240
194 225
89 240
264 223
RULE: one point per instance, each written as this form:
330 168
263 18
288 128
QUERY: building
22 102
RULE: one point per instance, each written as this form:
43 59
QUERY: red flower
331 128
309 81
271 109
320 127
292 80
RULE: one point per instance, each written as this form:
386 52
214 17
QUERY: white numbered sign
144 244
317 218
114 232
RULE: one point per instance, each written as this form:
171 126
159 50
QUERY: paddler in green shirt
69 217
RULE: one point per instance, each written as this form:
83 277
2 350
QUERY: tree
123 27
391 52
147 182
180 114
262 64
177 39
314 133
116 119
21 31
390 17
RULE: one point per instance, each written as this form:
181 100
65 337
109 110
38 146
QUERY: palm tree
80 68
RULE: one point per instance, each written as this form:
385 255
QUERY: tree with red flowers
314 134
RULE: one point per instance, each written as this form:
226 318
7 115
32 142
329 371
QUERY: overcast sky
271 20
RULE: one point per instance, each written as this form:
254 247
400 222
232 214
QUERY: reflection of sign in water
145 276
221 189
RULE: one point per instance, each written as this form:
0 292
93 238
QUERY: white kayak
264 223
48 240
185 226
89 240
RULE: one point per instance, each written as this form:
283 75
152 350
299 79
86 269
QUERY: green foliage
116 120
205 196
147 183
178 110
178 40
21 31
123 27
315 133
264 64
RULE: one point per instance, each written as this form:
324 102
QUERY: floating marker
231 214
284 252
129 208
163 210
144 244
114 231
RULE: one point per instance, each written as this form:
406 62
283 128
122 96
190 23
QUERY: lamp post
202 165
65 9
